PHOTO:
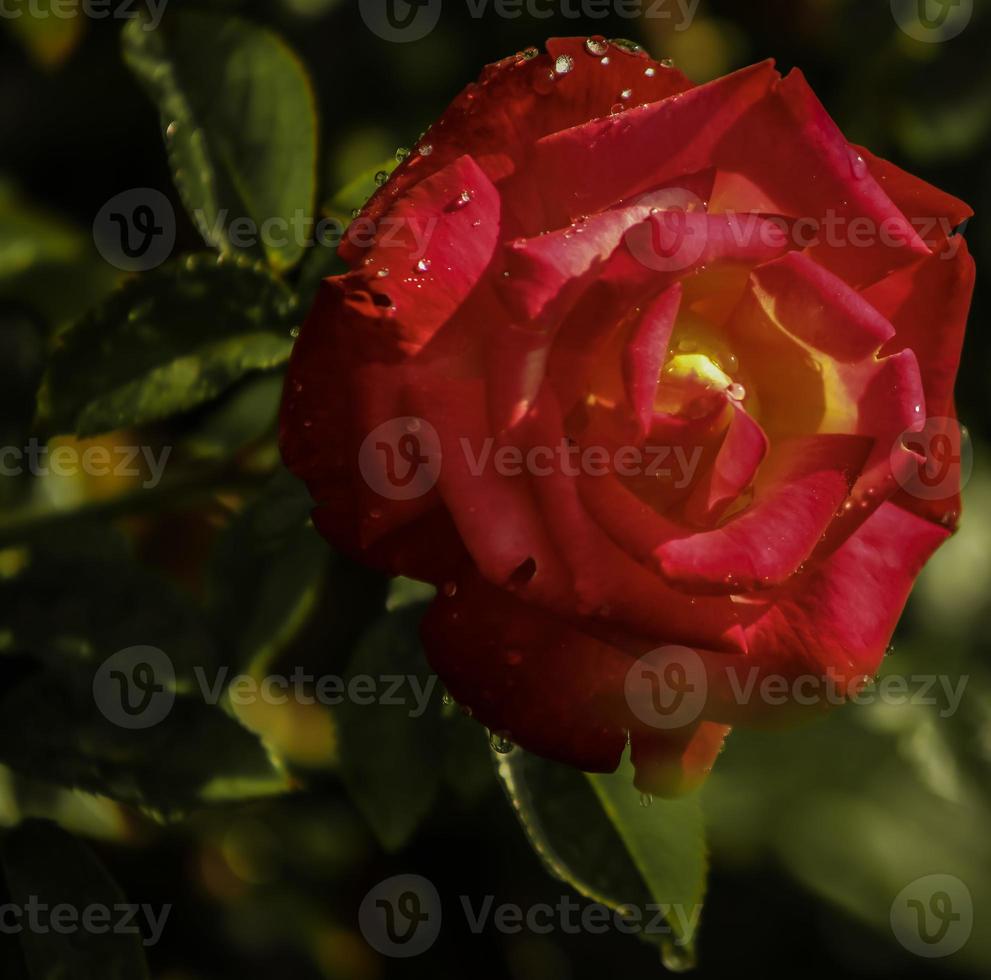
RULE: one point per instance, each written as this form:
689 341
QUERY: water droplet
401 154
667 62
616 108
604 61
294 332
596 45
423 265
529 54
650 72
381 177
446 700
677 959
450 589
382 273
626 93
858 166
425 149
736 391
889 649
463 198
564 64
170 130
355 212
500 743
646 799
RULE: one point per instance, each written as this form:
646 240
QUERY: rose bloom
587 251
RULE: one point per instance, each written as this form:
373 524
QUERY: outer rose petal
516 101
837 619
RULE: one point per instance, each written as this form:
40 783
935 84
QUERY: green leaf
242 416
47 264
81 597
239 118
593 832
357 191
266 573
44 865
392 757
408 592
52 730
78 601
167 342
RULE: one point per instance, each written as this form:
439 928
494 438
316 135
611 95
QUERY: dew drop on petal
381 177
564 64
423 265
596 45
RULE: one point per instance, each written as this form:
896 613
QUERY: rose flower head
654 382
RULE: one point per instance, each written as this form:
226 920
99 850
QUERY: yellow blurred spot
340 953
303 734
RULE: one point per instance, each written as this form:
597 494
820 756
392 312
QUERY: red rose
626 369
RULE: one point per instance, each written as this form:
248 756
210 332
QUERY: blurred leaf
266 573
356 192
592 832
29 236
830 802
51 729
243 415
48 35
45 865
166 342
946 130
239 119
391 760
407 592
47 264
81 598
